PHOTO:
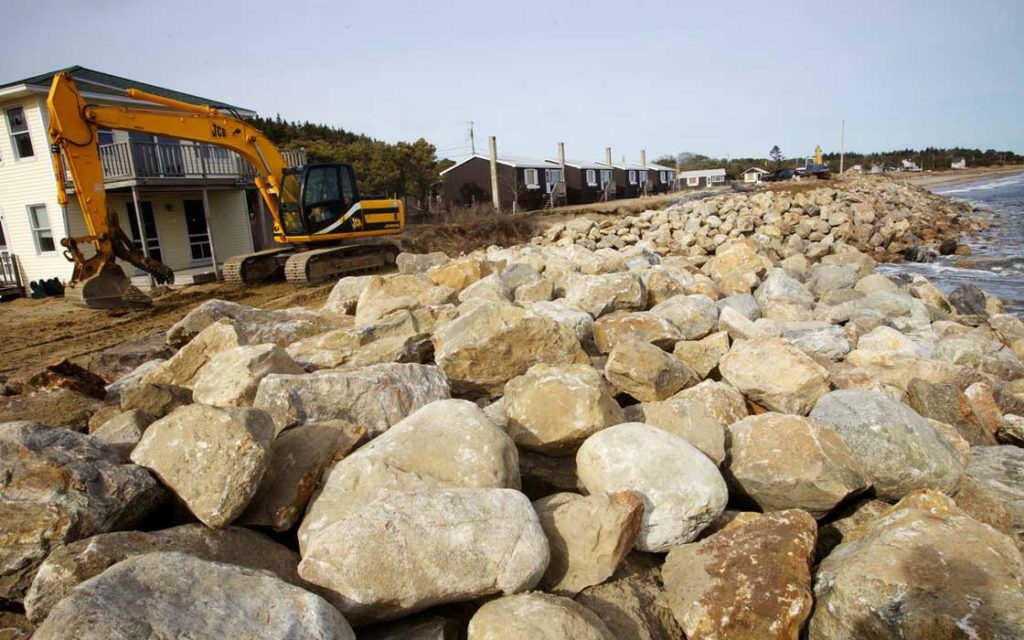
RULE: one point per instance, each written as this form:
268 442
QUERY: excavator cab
315 198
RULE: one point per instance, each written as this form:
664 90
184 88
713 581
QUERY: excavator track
254 267
317 266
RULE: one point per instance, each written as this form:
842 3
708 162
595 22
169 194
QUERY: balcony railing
135 159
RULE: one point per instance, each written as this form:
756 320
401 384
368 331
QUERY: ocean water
997 260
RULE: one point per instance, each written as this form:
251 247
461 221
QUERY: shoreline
951 177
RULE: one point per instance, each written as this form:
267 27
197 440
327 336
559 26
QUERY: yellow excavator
317 210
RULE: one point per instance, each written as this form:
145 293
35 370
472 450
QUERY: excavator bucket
109 288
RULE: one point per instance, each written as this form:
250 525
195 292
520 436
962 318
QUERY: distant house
857 168
523 183
701 178
753 175
878 168
661 178
909 165
958 163
585 181
629 179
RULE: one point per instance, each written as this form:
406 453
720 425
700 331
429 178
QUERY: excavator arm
97 280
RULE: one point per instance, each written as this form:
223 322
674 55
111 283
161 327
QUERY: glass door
199 248
149 225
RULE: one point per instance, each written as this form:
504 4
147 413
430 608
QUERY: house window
531 178
632 177
21 140
716 179
606 177
39 221
104 136
591 178
551 178
693 181
663 176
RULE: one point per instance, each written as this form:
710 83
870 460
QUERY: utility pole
561 163
495 198
643 163
472 140
842 148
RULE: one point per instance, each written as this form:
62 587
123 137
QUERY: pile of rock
886 219
544 441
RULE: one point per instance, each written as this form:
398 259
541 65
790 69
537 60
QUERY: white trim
591 177
693 181
632 176
11 133
34 231
531 184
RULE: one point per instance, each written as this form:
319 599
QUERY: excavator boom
313 217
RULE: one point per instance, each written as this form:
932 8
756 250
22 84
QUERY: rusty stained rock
750 581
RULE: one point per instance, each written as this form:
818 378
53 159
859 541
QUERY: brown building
662 178
585 181
523 183
629 179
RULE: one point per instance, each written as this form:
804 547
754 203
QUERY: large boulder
1000 469
155 400
449 443
924 569
375 396
703 355
72 564
601 294
183 367
683 491
58 486
646 372
775 374
536 616
177 595
689 419
404 552
784 461
588 537
695 316
585 405
737 266
494 342
750 581
945 402
212 458
297 458
250 324
609 330
898 450
384 295
230 378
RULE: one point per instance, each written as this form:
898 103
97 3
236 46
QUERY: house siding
27 182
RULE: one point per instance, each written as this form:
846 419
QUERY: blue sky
710 77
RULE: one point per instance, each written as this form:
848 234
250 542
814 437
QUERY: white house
701 178
167 179
958 163
753 175
909 165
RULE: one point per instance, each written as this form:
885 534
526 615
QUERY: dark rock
57 486
119 360
155 400
54 408
59 375
946 403
968 299
948 247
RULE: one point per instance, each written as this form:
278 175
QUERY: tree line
402 169
929 158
